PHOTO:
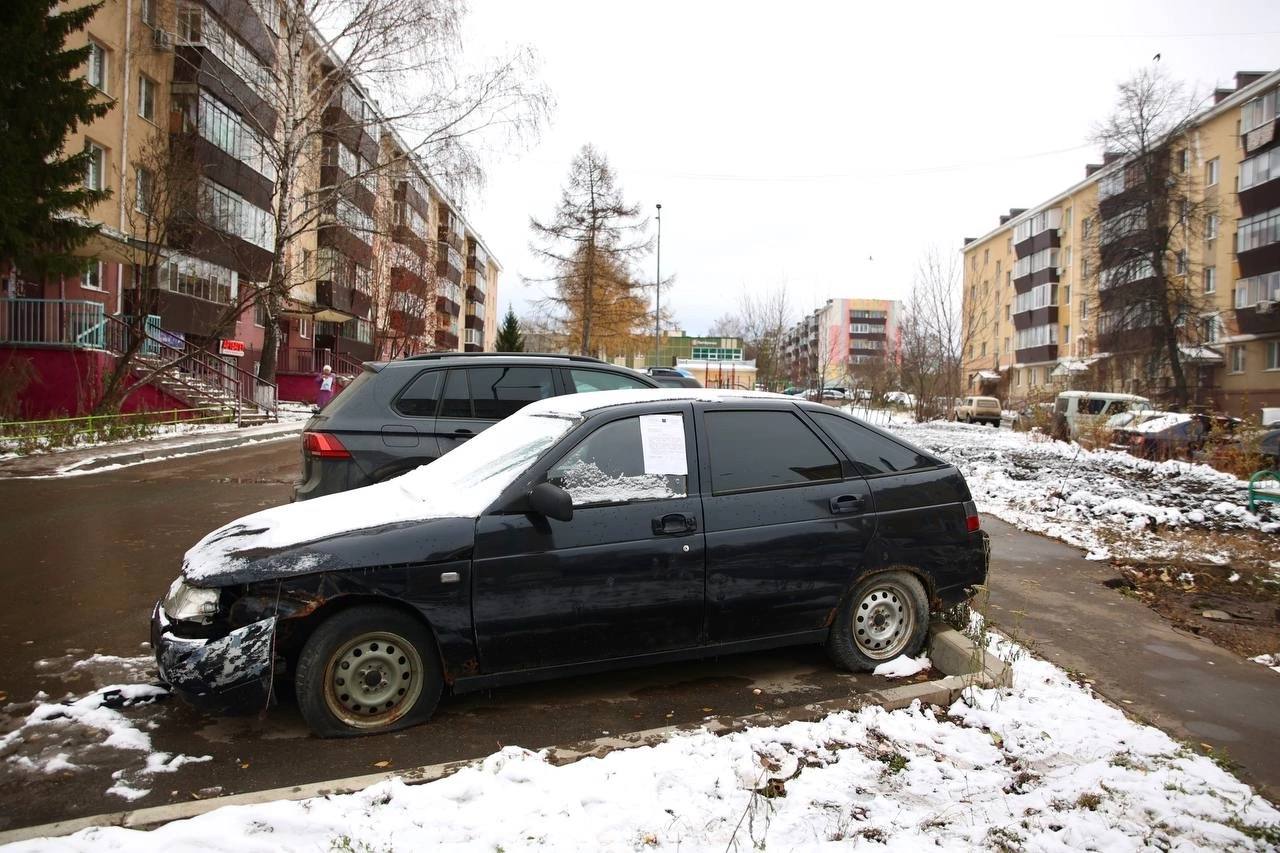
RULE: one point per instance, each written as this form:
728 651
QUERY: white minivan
1077 411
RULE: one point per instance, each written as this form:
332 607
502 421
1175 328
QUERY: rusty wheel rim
373 680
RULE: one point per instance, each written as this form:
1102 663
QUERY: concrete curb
952 653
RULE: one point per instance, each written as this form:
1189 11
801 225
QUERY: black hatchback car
583 533
396 416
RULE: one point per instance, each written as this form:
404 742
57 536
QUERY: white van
1076 411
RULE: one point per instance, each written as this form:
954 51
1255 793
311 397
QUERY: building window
97 66
1182 160
1211 173
1258 288
1260 169
1210 279
1253 232
95 171
92 277
304 328
221 125
984 349
1180 267
1084 309
1209 329
1273 355
1211 227
1066 296
1237 359
147 10
259 312
144 186
1259 111
146 97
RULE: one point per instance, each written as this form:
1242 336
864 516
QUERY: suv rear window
348 393
418 400
871 452
498 392
599 380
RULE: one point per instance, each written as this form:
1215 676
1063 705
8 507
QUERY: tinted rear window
498 392
758 450
419 398
599 380
870 451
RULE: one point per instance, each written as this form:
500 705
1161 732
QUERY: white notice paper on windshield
662 437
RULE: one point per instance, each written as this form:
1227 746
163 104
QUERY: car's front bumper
221 675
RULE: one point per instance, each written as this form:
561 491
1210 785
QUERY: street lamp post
657 294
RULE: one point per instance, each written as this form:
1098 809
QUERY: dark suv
585 532
398 415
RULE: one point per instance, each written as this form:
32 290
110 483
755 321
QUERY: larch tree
590 242
43 99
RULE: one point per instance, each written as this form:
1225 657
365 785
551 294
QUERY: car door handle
463 433
847 503
673 523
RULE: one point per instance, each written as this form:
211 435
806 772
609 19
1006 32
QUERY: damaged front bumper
220 675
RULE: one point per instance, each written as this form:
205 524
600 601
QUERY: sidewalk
71 462
1049 597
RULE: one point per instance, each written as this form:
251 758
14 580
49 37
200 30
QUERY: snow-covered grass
1043 765
1107 502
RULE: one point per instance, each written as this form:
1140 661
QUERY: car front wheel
368 670
885 615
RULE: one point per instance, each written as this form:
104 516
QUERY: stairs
198 393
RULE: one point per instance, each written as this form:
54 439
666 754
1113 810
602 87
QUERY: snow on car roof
581 404
1162 423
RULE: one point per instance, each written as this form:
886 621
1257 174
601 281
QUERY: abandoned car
582 533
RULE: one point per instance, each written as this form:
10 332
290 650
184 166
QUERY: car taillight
324 446
972 522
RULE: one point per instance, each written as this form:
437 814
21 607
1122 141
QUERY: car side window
419 398
498 392
598 380
871 452
633 459
457 400
1094 407
760 450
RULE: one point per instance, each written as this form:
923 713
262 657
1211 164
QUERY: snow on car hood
461 484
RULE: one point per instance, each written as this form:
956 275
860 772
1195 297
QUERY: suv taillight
972 522
322 445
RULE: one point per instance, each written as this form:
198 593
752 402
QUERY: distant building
843 338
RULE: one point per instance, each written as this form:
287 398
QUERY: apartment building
1051 295
391 268
842 339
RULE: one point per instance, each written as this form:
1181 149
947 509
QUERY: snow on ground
96 729
1108 502
1272 661
1041 766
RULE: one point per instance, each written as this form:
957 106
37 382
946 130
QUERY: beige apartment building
392 270
1045 309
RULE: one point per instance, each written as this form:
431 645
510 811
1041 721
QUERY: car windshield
461 484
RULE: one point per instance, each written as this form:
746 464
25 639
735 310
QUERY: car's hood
233 554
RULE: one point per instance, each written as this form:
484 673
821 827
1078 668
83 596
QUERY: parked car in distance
899 398
584 532
1176 435
1269 447
1079 411
670 377
398 415
979 410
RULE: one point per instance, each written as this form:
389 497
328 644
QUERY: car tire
377 644
885 615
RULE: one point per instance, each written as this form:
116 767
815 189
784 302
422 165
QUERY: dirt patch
1235 604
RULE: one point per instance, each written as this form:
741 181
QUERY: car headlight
185 603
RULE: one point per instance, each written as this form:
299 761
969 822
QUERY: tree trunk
270 339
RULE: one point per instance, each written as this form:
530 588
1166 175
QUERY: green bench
1257 494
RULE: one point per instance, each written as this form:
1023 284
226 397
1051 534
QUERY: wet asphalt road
86 557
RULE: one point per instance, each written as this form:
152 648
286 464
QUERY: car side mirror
552 501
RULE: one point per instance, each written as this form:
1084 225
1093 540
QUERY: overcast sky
827 145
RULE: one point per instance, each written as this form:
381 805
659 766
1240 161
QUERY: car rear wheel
368 670
884 616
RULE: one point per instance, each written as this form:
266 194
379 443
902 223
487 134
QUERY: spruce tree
509 338
44 97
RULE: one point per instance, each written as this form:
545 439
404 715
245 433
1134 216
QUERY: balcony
447 299
407 323
449 263
473 340
446 339
343 298
353 338
452 231
1037 233
195 66
474 322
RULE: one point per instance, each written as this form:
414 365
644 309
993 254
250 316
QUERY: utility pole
657 295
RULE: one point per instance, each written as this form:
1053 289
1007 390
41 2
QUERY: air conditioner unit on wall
162 39
1265 306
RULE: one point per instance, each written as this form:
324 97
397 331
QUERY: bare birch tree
936 328
1151 215
308 87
